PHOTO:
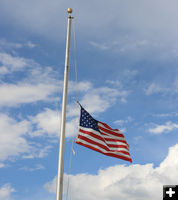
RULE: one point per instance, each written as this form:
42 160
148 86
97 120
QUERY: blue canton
87 121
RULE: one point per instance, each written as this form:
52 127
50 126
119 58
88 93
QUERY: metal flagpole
59 188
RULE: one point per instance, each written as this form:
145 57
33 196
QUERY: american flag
99 137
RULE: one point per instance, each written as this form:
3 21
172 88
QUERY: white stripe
103 136
113 136
93 139
103 150
118 149
98 133
90 130
102 143
116 143
106 143
110 134
116 131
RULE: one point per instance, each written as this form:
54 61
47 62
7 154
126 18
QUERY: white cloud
101 46
30 44
48 123
154 88
37 83
31 169
7 45
5 192
121 122
82 86
94 100
99 99
2 165
116 83
37 151
165 128
124 182
15 94
15 142
172 114
137 32
12 141
10 63
161 88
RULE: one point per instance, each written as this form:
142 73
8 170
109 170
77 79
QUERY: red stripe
117 146
108 154
121 151
103 140
115 140
108 126
101 145
110 132
100 137
93 142
92 134
105 147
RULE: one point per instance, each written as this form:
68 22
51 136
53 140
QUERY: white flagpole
59 188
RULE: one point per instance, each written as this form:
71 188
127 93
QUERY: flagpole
59 188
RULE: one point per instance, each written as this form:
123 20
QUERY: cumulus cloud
164 128
10 63
12 142
94 100
47 122
15 94
5 192
99 99
125 182
15 141
36 84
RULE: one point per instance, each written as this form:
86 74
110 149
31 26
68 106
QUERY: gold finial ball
69 10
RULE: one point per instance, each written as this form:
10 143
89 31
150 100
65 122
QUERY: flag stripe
107 127
93 145
109 141
99 137
92 134
85 144
95 135
109 138
108 132
91 138
92 142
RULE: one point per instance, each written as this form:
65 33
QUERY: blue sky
127 56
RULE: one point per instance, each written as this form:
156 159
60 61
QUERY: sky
125 55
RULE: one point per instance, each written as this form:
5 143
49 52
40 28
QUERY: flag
99 137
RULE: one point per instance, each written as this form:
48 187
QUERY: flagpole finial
69 10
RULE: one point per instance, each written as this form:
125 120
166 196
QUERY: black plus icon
170 192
